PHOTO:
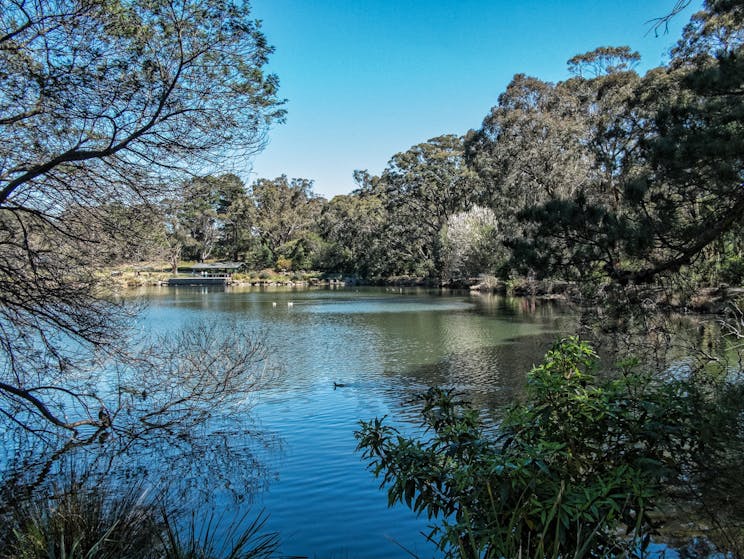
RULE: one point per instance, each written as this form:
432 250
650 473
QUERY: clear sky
365 79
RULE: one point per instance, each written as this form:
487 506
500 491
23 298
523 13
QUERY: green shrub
574 471
283 264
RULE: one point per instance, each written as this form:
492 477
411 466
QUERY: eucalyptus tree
286 213
611 125
351 226
175 236
104 102
472 243
603 61
238 215
529 148
546 141
217 213
606 86
553 157
424 186
198 215
682 192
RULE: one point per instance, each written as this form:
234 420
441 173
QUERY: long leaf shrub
576 470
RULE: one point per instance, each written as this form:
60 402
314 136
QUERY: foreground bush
575 471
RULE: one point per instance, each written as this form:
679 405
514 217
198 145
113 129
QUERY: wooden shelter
213 273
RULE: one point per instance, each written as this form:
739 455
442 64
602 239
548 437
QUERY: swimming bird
290 304
273 303
338 385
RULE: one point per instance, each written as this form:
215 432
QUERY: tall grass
105 522
243 539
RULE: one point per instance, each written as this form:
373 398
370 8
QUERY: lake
383 345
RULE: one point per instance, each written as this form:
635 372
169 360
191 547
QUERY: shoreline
701 300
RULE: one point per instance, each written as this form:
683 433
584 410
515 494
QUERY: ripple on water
376 306
384 347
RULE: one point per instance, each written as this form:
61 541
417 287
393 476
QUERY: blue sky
365 79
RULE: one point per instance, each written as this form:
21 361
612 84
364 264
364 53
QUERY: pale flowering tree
471 243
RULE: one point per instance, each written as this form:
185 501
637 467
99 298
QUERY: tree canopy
672 160
608 175
105 102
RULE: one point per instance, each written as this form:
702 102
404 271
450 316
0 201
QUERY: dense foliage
674 170
608 176
577 470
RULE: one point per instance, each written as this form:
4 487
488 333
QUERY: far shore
704 300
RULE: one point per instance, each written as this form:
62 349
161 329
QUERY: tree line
608 175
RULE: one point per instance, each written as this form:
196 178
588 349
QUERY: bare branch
663 21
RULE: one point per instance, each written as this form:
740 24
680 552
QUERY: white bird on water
273 303
290 304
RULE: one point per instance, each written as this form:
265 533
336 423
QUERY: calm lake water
384 346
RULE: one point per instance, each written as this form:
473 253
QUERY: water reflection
490 377
293 451
219 459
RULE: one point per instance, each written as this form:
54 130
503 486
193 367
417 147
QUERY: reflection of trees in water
528 309
221 459
663 342
490 377
173 415
170 384
490 365
485 355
